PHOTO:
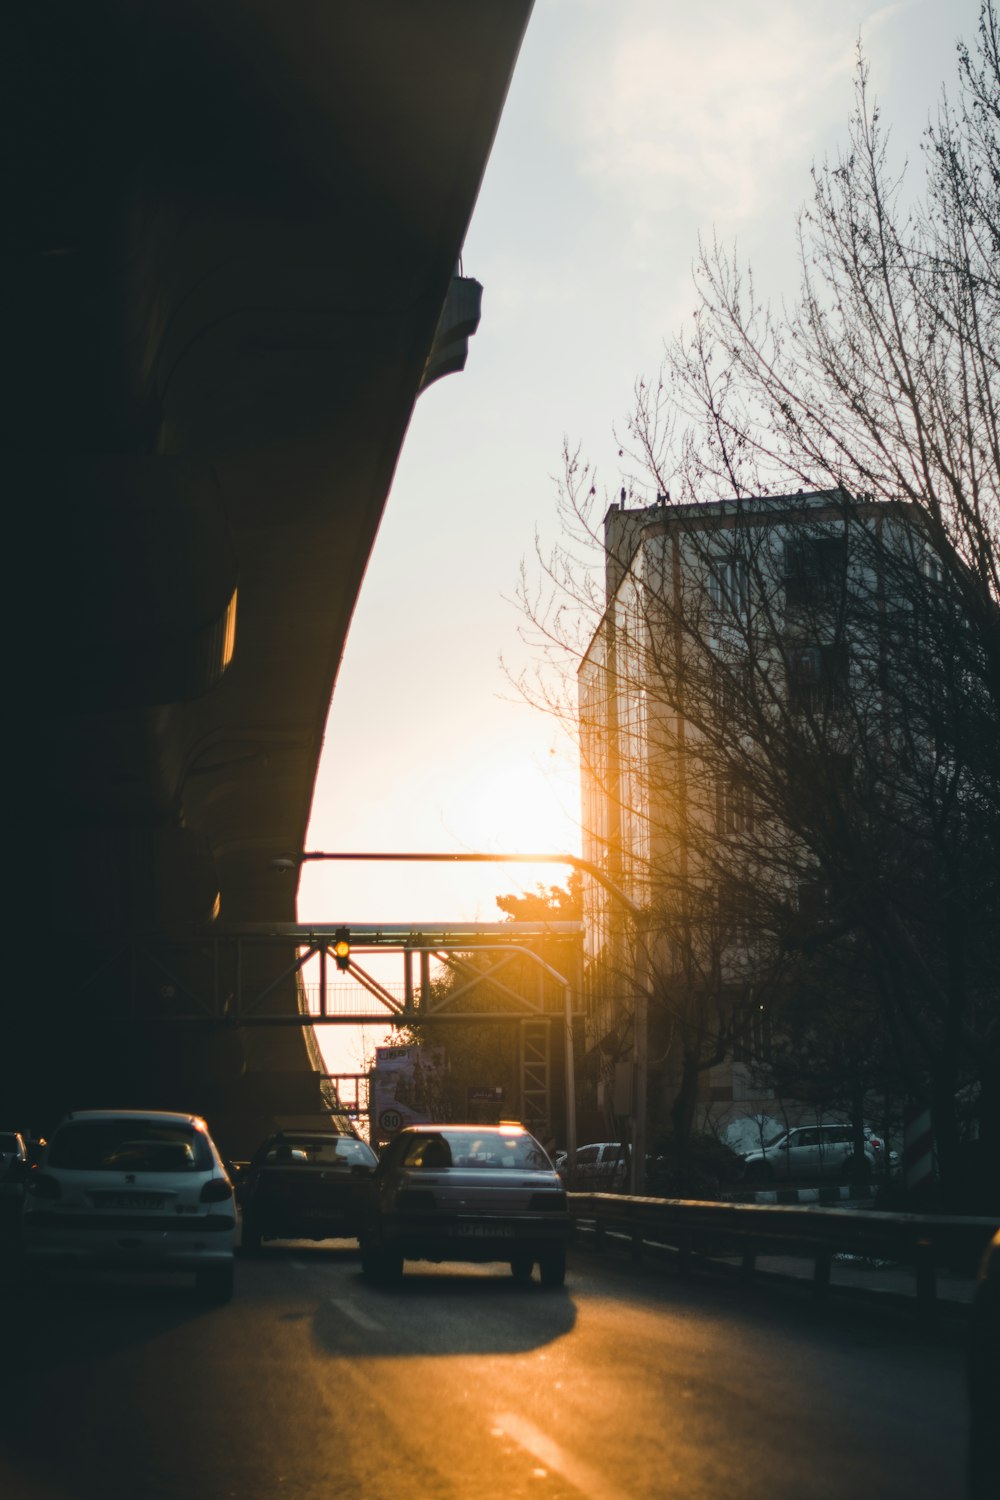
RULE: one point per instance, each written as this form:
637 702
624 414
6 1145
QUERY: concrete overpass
231 230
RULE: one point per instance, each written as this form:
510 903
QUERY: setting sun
514 805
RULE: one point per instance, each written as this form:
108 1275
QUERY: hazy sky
631 127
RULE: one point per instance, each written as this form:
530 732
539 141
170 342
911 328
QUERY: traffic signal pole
638 1164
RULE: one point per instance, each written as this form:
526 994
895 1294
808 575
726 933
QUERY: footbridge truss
280 975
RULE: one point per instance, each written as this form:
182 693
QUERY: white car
134 1190
811 1151
600 1167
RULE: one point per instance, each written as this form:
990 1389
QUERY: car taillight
41 1185
216 1190
876 1145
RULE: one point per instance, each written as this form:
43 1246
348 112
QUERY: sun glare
514 806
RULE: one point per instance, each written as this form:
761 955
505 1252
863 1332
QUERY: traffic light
342 947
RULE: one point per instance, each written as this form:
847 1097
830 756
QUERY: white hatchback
136 1190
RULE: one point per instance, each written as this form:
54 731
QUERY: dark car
984 1379
305 1185
477 1193
13 1155
13 1171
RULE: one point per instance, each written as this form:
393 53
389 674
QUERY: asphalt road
461 1385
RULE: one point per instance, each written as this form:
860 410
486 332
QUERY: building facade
747 695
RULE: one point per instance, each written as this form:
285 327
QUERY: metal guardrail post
821 1273
920 1242
926 1279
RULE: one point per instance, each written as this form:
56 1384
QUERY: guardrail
690 1229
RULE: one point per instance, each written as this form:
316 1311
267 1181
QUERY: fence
694 1229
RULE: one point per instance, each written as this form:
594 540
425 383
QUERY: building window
841 771
734 917
815 902
815 571
734 806
751 1032
817 677
932 567
728 587
732 691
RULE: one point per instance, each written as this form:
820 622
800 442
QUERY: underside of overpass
230 230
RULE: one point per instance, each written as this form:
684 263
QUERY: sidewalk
851 1273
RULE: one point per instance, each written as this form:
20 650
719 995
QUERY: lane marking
541 1447
356 1314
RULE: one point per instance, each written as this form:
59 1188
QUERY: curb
831 1193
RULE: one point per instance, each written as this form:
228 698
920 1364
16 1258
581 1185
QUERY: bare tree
796 612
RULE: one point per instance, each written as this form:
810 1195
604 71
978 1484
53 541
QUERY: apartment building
749 684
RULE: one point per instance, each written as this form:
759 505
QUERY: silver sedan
477 1193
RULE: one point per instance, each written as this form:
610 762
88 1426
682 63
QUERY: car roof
319 1134
506 1129
155 1116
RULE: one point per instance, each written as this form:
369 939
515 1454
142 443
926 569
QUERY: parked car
13 1148
36 1147
307 1185
811 1151
600 1167
984 1378
134 1190
477 1193
13 1171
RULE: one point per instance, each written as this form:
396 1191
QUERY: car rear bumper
306 1229
457 1237
117 1240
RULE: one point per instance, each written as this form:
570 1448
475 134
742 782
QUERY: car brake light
876 1145
216 1190
41 1185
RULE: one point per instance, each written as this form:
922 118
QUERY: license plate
485 1231
130 1200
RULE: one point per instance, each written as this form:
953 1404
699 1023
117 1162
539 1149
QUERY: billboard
405 1087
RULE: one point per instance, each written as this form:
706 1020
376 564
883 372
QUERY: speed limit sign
390 1119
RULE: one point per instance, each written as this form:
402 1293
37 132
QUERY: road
629 1384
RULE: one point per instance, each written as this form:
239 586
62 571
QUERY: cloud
704 110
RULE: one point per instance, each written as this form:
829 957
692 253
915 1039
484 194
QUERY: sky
631 128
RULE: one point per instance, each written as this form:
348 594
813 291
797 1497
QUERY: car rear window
129 1146
341 1151
490 1149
